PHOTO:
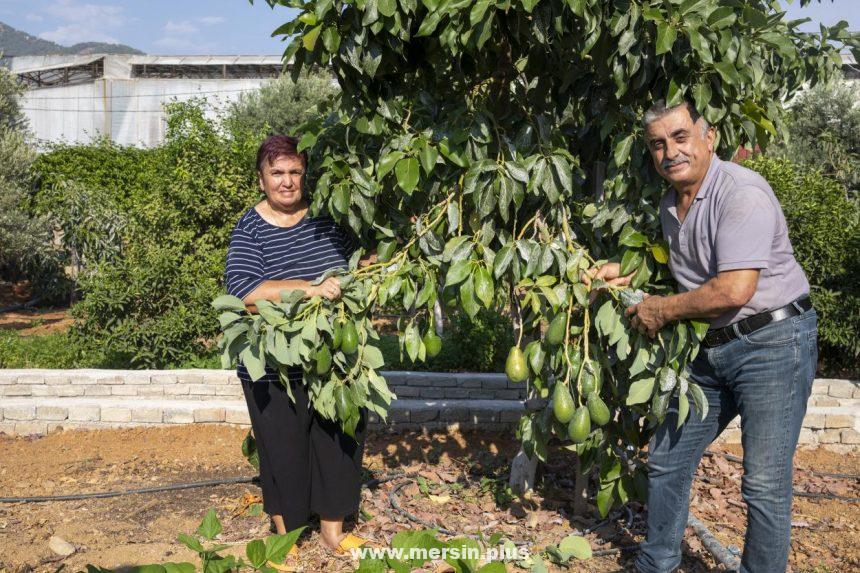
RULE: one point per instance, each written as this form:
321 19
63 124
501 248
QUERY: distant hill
17 43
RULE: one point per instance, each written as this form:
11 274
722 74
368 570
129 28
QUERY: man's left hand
648 315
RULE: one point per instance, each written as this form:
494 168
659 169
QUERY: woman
307 464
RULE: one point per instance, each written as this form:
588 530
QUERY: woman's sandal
348 543
286 567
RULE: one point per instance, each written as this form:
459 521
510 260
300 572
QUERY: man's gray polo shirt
735 222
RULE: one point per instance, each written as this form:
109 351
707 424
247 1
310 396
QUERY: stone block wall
39 401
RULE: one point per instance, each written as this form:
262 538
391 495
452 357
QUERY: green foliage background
281 106
26 242
823 132
147 305
824 228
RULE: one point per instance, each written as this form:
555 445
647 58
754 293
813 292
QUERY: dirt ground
34 321
458 493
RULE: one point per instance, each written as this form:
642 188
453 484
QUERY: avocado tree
490 152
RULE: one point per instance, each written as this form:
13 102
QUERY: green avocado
349 338
562 403
597 409
580 425
323 359
555 332
515 365
432 343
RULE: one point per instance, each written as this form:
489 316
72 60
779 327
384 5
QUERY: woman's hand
329 288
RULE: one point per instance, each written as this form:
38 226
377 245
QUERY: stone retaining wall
39 401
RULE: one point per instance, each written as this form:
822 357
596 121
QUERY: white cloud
106 15
34 17
212 20
184 45
74 34
178 28
84 22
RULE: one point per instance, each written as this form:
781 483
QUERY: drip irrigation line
740 460
827 496
106 494
21 306
713 545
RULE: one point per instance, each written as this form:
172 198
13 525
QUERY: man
732 259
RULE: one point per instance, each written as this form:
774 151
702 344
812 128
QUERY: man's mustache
667 163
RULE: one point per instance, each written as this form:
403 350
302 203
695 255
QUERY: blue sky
221 26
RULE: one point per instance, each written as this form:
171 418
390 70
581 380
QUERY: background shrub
281 106
479 345
26 242
824 227
824 132
147 305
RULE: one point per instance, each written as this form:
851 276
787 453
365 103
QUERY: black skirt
307 463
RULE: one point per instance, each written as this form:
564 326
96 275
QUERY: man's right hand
609 273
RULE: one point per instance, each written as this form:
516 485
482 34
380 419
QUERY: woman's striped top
260 251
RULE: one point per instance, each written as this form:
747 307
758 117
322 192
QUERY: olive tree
490 152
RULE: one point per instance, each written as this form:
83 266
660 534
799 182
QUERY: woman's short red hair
277 146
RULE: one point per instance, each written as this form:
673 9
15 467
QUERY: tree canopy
490 151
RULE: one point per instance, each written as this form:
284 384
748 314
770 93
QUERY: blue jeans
766 377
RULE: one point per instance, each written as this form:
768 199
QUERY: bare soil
34 321
457 468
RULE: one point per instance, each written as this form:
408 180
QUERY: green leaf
429 23
406 171
191 543
630 261
210 526
277 546
183 567
228 302
386 7
387 163
631 238
479 8
494 567
576 546
529 5
700 327
256 552
604 499
458 272
503 260
683 409
331 39
622 150
699 399
640 391
666 36
728 72
428 156
722 17
309 39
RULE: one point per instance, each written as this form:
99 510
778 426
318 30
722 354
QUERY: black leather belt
719 336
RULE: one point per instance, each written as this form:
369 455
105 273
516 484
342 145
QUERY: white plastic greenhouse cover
128 110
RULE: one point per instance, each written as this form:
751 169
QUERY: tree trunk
580 504
523 471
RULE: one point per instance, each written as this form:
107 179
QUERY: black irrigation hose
20 306
105 494
797 493
713 545
739 460
173 487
